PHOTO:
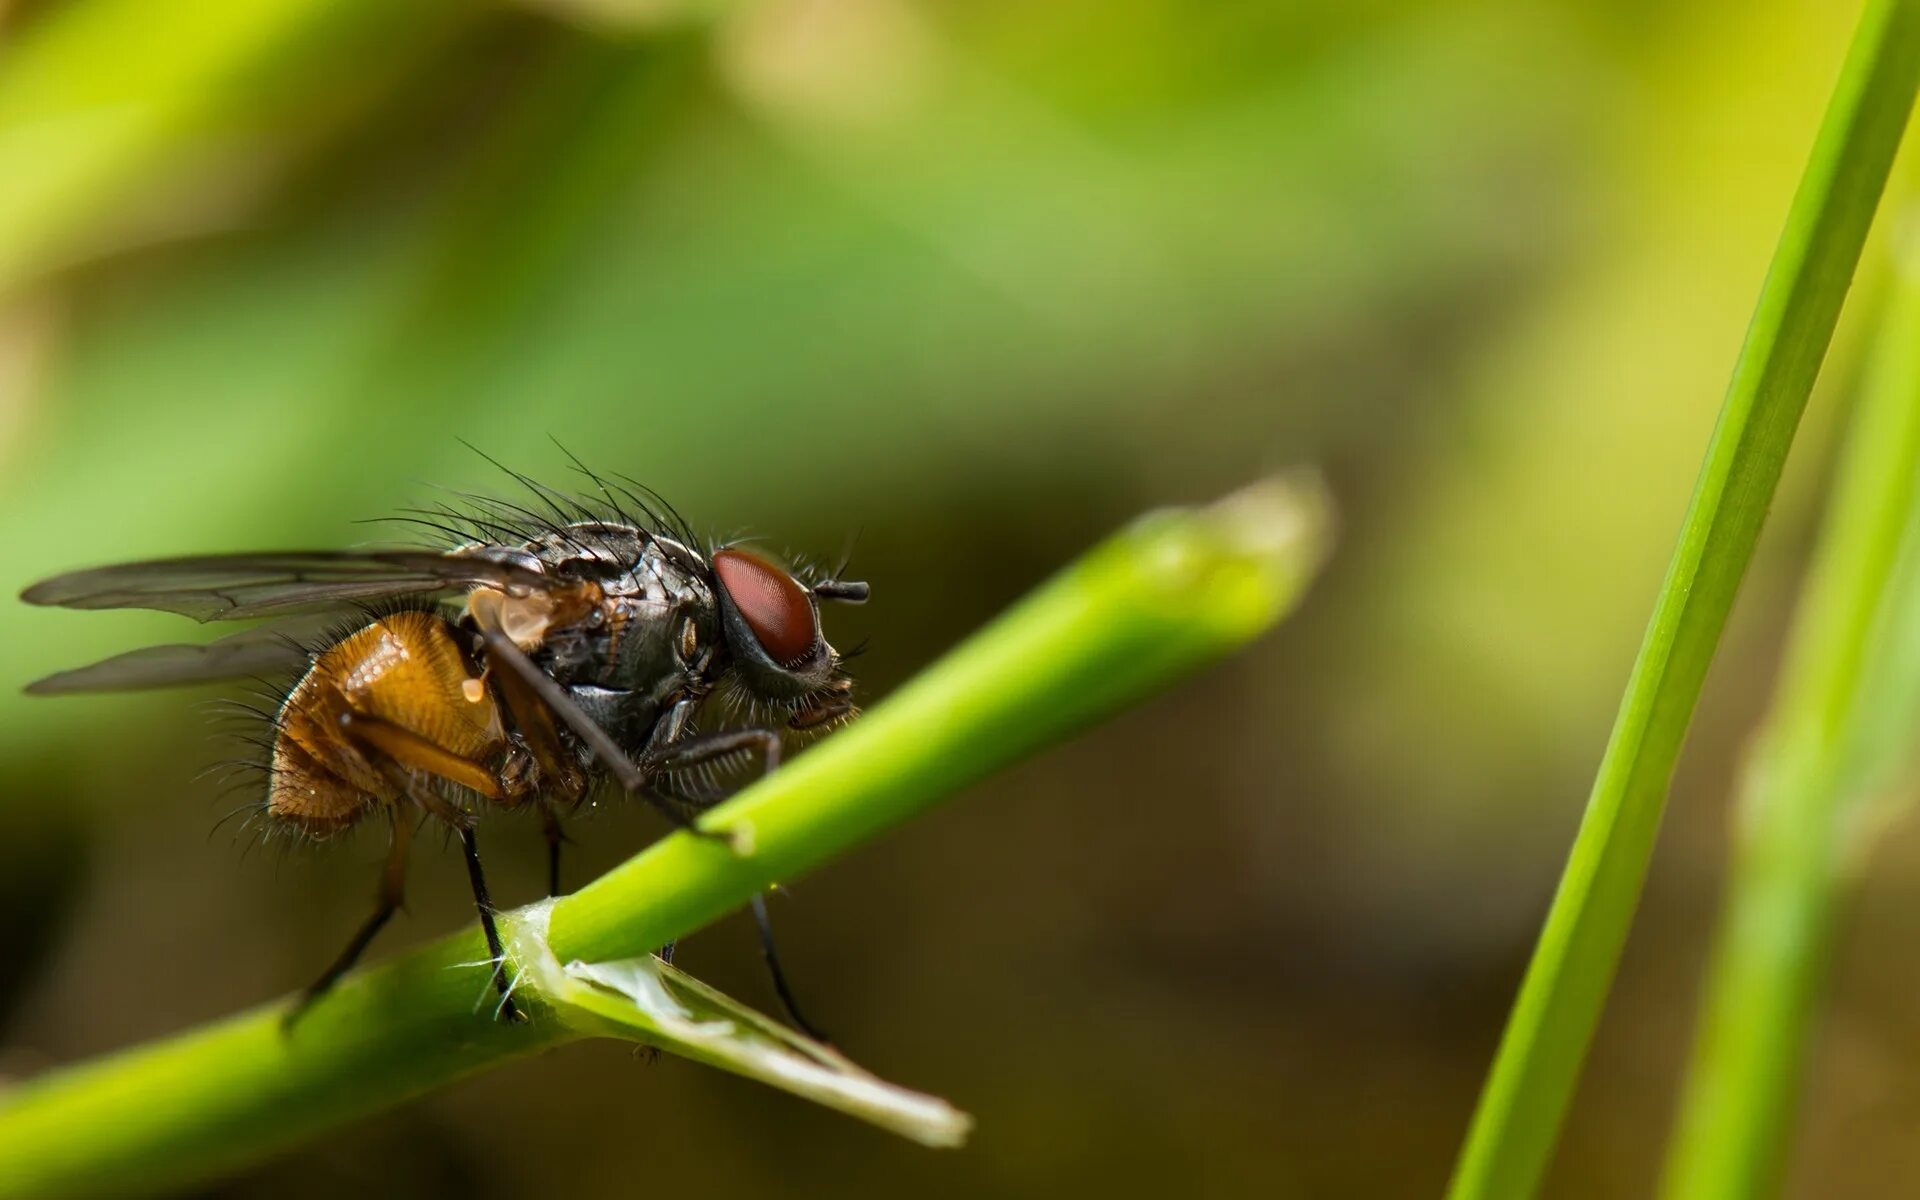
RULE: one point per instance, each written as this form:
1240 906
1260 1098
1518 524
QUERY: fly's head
770 626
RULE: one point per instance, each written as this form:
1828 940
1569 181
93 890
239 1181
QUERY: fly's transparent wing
265 649
230 587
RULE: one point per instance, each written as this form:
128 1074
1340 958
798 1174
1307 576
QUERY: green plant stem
1174 591
1552 1023
1820 760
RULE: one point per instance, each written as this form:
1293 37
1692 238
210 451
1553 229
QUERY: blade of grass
1552 1023
645 1000
1839 734
1174 591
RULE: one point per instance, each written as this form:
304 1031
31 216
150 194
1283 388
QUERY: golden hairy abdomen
404 669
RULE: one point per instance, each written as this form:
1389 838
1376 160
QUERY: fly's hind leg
405 757
418 791
393 745
392 896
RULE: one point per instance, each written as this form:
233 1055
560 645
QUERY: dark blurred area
962 286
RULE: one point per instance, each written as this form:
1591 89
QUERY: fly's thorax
662 620
662 646
655 643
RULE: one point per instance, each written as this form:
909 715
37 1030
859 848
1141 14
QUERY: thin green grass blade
1552 1023
1176 590
645 1000
1834 752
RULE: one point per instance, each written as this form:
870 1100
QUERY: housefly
555 646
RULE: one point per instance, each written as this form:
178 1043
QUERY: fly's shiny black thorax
652 585
653 638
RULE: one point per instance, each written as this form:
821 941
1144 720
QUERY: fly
549 651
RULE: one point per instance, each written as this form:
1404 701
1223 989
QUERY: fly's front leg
779 976
560 778
706 748
632 777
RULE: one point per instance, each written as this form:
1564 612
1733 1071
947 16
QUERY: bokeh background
969 283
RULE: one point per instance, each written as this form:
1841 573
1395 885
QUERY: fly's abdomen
402 672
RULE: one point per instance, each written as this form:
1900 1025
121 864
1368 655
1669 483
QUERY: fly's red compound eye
773 604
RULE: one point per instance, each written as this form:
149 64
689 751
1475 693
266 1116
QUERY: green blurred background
973 281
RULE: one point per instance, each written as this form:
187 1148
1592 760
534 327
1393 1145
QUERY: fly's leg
392 895
667 752
397 746
780 985
560 776
705 748
556 836
508 658
484 902
405 756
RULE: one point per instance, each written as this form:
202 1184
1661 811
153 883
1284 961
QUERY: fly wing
261 650
231 587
